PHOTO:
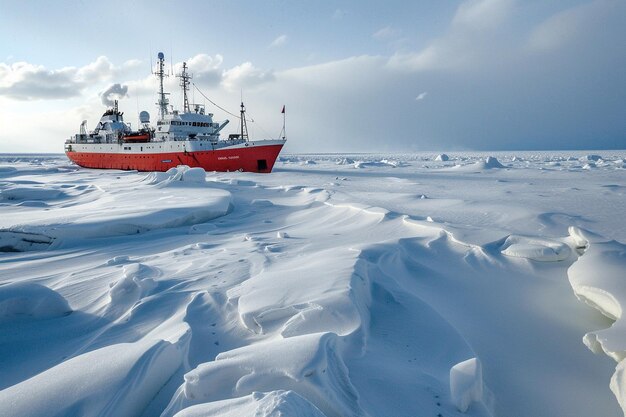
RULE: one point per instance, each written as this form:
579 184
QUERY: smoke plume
116 91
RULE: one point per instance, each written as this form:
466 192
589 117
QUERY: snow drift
399 288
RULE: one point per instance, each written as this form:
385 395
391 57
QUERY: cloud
202 63
482 15
25 81
245 75
477 35
485 91
385 33
575 23
427 59
100 69
131 64
206 69
279 41
116 91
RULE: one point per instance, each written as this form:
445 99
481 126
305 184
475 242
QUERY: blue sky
355 76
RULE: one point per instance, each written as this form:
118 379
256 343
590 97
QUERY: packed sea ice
338 285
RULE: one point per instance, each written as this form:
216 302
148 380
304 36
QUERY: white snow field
339 285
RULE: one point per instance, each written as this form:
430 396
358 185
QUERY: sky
354 76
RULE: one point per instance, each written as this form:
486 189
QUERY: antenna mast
244 125
184 83
163 101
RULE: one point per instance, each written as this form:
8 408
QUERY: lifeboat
136 137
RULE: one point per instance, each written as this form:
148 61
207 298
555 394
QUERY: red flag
283 111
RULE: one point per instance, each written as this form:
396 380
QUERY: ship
189 137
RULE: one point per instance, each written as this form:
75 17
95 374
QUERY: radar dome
161 56
144 117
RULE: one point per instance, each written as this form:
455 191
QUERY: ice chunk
196 174
442 157
393 162
466 383
492 162
180 173
488 163
580 240
382 163
594 158
537 249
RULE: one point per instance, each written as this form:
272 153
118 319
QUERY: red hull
252 159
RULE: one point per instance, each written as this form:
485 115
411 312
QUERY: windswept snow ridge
339 285
598 279
309 365
179 197
271 404
30 300
116 380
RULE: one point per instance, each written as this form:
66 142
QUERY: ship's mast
163 101
244 126
184 83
